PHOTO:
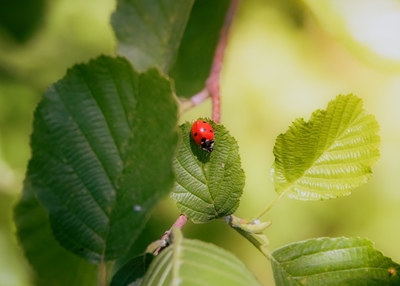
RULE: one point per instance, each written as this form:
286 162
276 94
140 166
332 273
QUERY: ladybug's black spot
195 134
211 130
204 121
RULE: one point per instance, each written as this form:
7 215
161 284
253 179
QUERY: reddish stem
212 87
179 223
195 100
213 81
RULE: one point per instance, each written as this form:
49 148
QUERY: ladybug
203 135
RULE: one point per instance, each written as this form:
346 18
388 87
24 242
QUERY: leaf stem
269 206
102 274
258 240
252 232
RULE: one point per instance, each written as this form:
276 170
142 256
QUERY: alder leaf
194 262
133 271
198 46
149 32
328 156
207 185
20 19
47 258
333 261
102 146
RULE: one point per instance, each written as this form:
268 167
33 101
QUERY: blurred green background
285 59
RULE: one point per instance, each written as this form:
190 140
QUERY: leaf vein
91 148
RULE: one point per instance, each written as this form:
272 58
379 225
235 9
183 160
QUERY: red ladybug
203 135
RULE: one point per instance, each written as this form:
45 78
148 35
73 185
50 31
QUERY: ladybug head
207 145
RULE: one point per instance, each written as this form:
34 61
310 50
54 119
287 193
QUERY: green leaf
149 32
46 256
102 146
208 185
198 46
193 262
133 271
329 155
333 261
21 18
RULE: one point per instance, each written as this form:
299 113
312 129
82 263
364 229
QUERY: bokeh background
285 59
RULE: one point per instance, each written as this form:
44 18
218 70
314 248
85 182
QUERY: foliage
207 185
42 250
92 144
179 264
329 155
106 150
333 261
21 28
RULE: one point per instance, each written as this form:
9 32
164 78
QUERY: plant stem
247 230
195 100
258 240
102 274
213 81
179 223
269 206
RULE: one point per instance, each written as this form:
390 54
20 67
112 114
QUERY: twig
212 88
179 223
194 100
213 81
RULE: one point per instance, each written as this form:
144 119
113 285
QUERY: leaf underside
194 262
198 46
133 271
172 35
207 185
20 19
329 155
333 261
95 166
149 32
48 259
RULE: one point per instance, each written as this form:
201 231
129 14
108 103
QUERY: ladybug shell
203 135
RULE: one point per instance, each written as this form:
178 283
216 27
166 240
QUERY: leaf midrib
289 186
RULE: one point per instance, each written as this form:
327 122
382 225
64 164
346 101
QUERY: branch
179 223
194 100
212 86
213 81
